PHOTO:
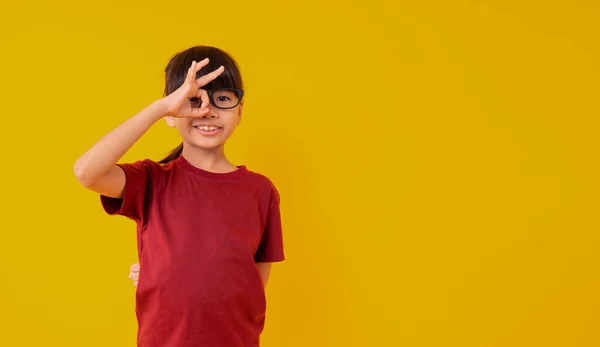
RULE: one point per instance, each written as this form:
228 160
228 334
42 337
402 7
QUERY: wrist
158 109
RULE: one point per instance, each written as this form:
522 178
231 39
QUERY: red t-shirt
199 235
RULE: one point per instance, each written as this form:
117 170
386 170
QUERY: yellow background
437 161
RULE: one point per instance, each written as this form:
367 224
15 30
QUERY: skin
96 169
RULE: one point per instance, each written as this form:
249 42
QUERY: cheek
233 118
231 126
184 128
183 124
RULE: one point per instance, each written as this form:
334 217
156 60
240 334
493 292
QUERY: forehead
224 80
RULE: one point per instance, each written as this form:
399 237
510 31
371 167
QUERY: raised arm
97 169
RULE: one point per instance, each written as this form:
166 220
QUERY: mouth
207 129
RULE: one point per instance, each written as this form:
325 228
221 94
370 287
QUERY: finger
193 70
135 283
204 80
203 96
134 276
202 63
135 267
191 74
199 112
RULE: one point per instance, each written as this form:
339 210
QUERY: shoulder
260 179
264 184
146 167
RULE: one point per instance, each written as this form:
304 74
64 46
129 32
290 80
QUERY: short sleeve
138 186
270 248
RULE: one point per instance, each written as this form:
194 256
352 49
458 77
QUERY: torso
198 284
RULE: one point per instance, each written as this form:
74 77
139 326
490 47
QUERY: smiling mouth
207 130
207 127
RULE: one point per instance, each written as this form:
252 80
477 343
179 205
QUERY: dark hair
179 64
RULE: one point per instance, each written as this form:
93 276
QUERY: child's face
212 130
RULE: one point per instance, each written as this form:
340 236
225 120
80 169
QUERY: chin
206 145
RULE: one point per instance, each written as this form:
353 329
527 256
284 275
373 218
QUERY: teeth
207 128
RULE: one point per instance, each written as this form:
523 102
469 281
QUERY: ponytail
173 155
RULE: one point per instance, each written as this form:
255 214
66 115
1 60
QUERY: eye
225 98
195 102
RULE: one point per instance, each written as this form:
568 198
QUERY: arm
265 271
270 248
97 169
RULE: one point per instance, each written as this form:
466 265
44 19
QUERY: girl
207 230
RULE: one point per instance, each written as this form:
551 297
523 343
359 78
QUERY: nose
211 114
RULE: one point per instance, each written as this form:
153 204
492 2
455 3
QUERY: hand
178 103
134 272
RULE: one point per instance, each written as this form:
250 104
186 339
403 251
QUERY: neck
212 160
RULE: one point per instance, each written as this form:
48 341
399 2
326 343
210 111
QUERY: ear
240 113
170 121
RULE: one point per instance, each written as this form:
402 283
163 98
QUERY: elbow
81 174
